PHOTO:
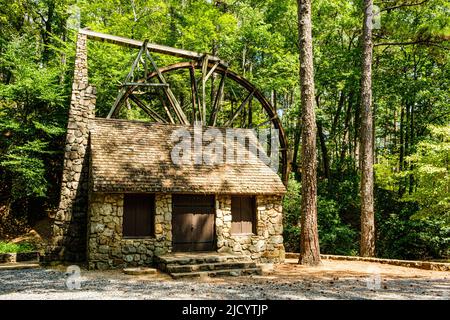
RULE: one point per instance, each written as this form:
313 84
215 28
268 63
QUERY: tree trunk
297 135
309 238
393 137
401 189
250 114
406 145
46 35
356 133
273 99
214 53
345 134
337 114
367 245
411 143
323 148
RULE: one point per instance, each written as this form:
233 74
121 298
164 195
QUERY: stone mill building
124 202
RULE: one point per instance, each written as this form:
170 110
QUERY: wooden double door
193 219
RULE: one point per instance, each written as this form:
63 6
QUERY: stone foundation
108 249
264 246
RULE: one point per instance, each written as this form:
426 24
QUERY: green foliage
386 176
335 237
32 120
401 236
27 169
430 168
413 239
291 212
8 247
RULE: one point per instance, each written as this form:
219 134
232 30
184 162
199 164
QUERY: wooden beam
116 106
170 96
204 72
243 104
161 98
194 93
217 101
147 109
145 84
127 42
211 71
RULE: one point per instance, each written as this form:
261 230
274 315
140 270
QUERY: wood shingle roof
135 156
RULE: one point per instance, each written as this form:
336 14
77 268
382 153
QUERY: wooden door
193 223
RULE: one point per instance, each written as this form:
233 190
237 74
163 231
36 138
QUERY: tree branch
423 42
404 5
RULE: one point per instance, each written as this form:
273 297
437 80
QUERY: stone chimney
70 221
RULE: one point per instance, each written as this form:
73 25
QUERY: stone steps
139 271
200 258
209 267
32 256
215 273
189 265
19 265
19 260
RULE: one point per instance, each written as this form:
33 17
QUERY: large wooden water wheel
201 90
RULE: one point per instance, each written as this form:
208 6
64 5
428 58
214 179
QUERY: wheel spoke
243 104
194 94
163 103
211 71
217 101
204 71
250 114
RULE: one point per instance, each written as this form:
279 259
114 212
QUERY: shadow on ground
51 284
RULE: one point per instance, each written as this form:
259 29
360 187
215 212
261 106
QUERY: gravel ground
332 280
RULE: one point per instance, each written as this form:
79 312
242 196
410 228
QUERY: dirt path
332 280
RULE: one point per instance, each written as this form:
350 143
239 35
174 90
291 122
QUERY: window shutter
129 216
243 215
247 214
236 225
138 215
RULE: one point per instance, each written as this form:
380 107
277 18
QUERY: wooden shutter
242 215
236 226
138 215
247 214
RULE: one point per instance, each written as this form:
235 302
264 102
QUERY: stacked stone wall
266 245
69 225
108 248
